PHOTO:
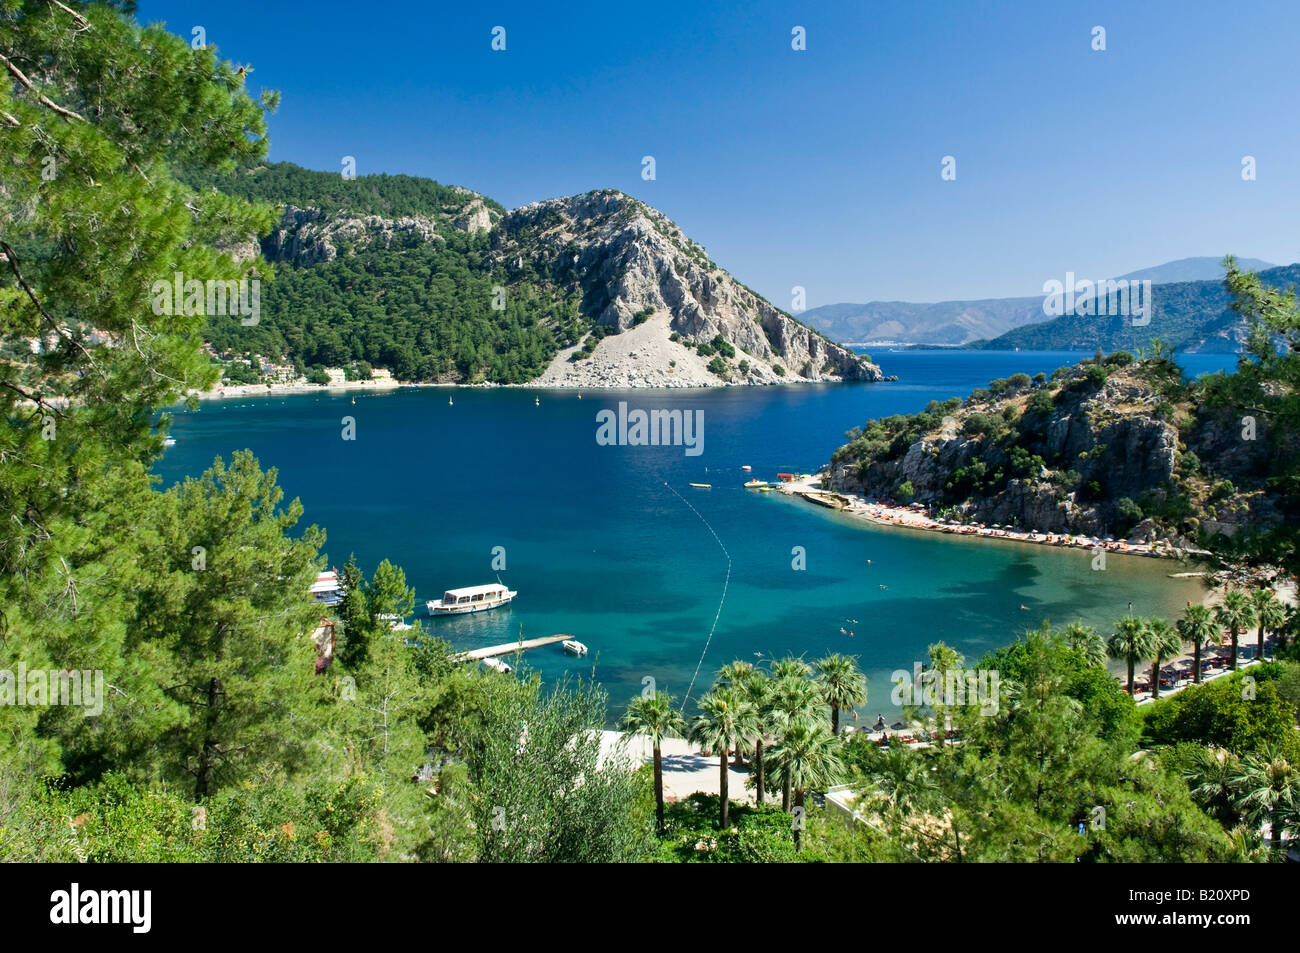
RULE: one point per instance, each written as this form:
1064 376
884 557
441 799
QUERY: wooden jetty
492 651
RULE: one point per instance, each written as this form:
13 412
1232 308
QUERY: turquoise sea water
610 544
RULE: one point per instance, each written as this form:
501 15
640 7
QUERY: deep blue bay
610 543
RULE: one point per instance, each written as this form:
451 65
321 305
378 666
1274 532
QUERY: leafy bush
718 366
778 370
1222 490
1129 515
978 425
1040 403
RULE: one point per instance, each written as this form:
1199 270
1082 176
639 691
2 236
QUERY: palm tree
1209 774
1198 627
1288 628
1131 643
806 758
1270 614
1086 639
1267 785
1236 614
1166 643
724 716
757 690
842 686
654 717
734 675
792 667
792 702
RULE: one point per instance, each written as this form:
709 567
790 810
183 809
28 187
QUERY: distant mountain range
1196 315
1190 315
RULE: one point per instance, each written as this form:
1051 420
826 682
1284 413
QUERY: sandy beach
915 517
686 769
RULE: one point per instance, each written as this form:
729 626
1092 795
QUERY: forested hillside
1188 316
437 283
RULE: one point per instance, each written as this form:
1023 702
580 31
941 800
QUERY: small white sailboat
470 599
450 403
574 647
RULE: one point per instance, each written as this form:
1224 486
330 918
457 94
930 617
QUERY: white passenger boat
497 665
574 647
471 599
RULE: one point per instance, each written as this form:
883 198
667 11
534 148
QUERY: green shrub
722 346
1040 403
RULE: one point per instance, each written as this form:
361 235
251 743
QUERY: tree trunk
1131 661
1155 678
758 769
1259 641
722 787
1196 661
208 753
1233 632
835 720
659 789
799 822
785 793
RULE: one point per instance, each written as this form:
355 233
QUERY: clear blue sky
818 168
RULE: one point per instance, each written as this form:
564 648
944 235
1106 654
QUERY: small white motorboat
498 666
574 647
169 442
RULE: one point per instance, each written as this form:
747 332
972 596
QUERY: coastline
906 517
279 390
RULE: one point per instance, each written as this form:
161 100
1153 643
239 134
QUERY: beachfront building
327 590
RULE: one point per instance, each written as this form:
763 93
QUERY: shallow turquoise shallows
612 545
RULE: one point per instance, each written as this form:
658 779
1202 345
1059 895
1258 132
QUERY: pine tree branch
82 22
40 97
12 257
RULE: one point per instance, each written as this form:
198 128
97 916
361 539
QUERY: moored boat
574 647
471 599
703 486
498 666
756 484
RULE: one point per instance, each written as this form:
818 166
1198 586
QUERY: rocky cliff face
631 262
